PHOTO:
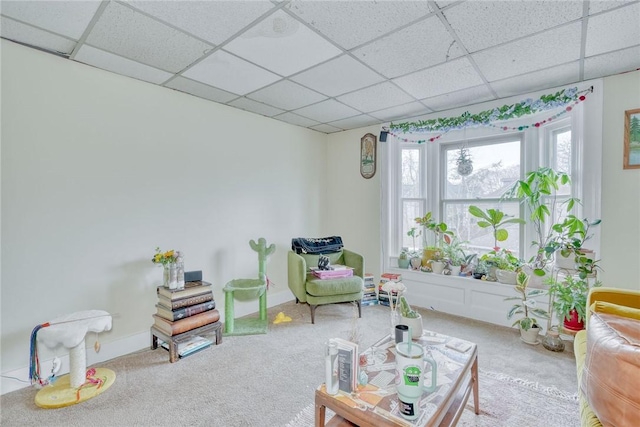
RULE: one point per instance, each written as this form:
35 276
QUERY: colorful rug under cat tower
80 384
248 290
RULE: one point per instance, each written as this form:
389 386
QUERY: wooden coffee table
376 403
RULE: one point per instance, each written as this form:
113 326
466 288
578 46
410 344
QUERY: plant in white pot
411 318
569 247
528 323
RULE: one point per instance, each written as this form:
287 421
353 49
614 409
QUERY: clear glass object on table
377 353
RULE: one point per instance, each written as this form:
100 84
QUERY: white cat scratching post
79 385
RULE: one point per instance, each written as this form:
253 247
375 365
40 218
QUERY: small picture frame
632 139
368 155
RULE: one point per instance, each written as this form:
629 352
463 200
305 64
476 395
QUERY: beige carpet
266 380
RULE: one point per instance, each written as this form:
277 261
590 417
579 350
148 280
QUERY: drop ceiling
337 65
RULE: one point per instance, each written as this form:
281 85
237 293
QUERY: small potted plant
569 297
528 323
503 265
438 230
411 318
414 256
403 258
454 256
481 271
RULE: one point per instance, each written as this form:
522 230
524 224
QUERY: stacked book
383 296
369 296
181 310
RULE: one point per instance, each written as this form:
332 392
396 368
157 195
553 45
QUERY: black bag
322 245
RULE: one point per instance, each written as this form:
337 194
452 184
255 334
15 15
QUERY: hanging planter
464 162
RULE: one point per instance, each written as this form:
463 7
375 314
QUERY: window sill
462 296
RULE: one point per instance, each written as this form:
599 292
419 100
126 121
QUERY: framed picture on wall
368 155
632 139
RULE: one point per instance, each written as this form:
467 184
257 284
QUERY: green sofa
309 289
620 302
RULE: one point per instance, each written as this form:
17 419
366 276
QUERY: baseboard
19 378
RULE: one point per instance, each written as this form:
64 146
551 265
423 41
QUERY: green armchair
307 288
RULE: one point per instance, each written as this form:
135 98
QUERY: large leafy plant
570 294
539 192
496 219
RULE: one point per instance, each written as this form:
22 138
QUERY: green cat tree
248 290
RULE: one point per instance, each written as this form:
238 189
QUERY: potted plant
411 318
570 253
414 256
569 297
528 323
437 232
503 265
481 271
454 256
496 219
538 191
403 258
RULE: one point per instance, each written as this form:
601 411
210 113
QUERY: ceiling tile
612 63
326 128
230 73
448 77
352 23
405 110
283 45
256 107
481 24
459 98
23 33
376 97
295 119
355 122
129 33
596 6
416 47
327 111
117 64
196 17
338 76
287 95
68 18
613 30
200 90
530 82
544 50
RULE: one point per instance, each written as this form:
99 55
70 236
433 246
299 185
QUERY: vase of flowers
168 261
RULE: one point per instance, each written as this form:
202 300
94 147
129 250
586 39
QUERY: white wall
620 187
353 202
99 169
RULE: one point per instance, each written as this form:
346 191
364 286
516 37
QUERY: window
424 178
496 167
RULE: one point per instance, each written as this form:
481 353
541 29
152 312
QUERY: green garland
487 117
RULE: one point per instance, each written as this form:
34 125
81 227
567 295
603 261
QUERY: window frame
534 153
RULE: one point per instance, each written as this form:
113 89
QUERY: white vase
530 336
507 277
415 323
455 270
437 266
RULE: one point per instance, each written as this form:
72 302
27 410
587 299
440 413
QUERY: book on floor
190 346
